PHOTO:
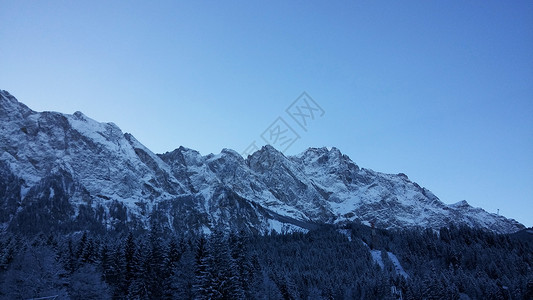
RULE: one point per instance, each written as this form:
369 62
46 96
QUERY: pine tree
35 273
156 265
224 269
140 279
124 262
203 284
86 283
82 244
173 258
129 252
7 251
433 288
89 253
183 276
111 266
116 273
239 254
69 260
174 252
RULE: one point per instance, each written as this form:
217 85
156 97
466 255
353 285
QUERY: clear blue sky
439 90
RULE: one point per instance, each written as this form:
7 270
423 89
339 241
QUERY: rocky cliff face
69 172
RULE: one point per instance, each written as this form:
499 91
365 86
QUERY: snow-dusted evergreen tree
323 263
139 287
129 263
204 282
112 266
156 264
224 270
86 283
241 261
35 273
8 248
182 278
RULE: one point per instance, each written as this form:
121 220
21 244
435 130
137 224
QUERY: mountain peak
316 152
266 157
78 115
462 203
4 93
269 148
231 152
11 108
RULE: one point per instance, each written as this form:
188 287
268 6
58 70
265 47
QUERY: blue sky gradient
439 90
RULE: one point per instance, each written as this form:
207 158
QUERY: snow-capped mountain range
69 172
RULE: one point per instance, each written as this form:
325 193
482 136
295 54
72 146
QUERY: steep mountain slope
69 172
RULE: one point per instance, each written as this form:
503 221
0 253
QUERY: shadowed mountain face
69 172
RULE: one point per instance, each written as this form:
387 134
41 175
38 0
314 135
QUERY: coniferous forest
352 262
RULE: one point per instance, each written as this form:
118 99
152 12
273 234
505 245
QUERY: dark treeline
327 263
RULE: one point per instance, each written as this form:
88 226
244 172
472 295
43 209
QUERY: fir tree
203 284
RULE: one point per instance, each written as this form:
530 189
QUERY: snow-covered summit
460 204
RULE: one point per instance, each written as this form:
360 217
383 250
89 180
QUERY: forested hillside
327 263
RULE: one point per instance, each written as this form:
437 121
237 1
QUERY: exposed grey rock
69 172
